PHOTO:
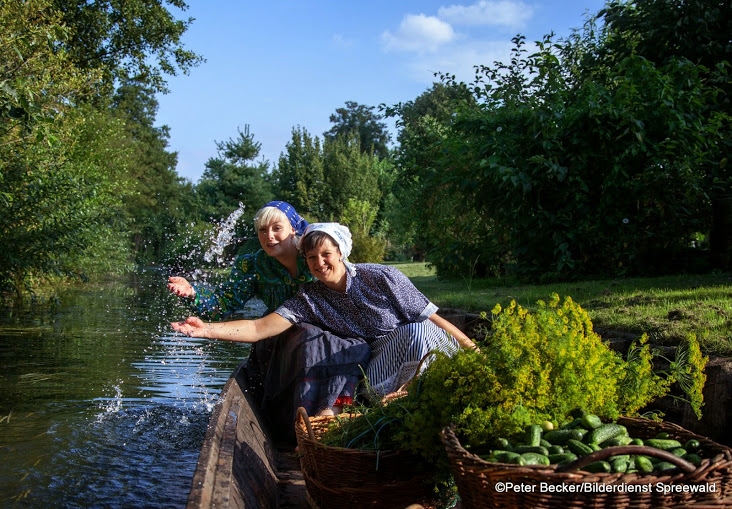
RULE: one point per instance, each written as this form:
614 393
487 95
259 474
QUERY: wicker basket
482 484
337 477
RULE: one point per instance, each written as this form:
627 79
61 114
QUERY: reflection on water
101 405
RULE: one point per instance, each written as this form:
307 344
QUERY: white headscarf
339 233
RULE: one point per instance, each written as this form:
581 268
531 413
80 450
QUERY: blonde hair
268 215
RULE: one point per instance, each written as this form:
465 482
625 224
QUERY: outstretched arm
245 331
451 328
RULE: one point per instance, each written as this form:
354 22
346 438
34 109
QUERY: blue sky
281 64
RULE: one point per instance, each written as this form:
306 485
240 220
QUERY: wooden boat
240 466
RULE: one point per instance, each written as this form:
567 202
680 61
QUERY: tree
299 175
348 173
233 178
357 118
665 31
138 39
162 201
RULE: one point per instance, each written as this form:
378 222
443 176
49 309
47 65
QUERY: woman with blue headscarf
304 366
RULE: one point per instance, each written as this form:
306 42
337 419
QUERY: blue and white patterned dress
304 366
382 306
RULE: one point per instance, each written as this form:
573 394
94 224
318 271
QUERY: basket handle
406 385
628 449
302 414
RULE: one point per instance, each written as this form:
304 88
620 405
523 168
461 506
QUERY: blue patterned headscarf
296 220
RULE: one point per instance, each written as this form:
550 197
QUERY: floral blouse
377 300
253 275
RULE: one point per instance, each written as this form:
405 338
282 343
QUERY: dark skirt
304 366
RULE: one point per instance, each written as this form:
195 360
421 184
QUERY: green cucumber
643 464
555 449
622 440
663 443
598 467
693 458
692 445
561 436
532 458
533 435
664 466
563 457
506 456
605 432
502 443
619 465
520 449
579 448
679 451
590 421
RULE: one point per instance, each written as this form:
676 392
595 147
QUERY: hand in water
192 327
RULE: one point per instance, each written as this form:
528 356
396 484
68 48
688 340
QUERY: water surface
101 404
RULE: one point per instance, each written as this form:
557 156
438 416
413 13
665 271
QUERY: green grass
666 308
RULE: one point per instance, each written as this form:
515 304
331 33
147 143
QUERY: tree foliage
364 122
578 159
234 178
134 39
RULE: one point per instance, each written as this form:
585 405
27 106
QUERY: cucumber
533 435
563 457
521 449
555 449
663 443
598 467
693 458
502 443
505 456
619 465
692 445
664 466
622 440
532 458
605 432
545 443
636 441
679 451
590 421
643 464
578 447
561 436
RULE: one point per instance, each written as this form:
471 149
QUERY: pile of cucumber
544 445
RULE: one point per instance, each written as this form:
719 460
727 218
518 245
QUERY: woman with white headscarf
305 366
370 301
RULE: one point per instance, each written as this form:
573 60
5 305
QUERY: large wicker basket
337 477
482 484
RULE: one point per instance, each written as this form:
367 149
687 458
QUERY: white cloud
419 33
501 13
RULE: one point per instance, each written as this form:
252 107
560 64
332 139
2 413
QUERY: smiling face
324 261
276 238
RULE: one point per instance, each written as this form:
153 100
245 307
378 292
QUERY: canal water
101 404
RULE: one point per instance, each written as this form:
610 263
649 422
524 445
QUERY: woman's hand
181 287
192 326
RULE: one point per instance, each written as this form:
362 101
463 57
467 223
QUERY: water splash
224 236
111 406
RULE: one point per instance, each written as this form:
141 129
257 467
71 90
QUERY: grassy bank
666 308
